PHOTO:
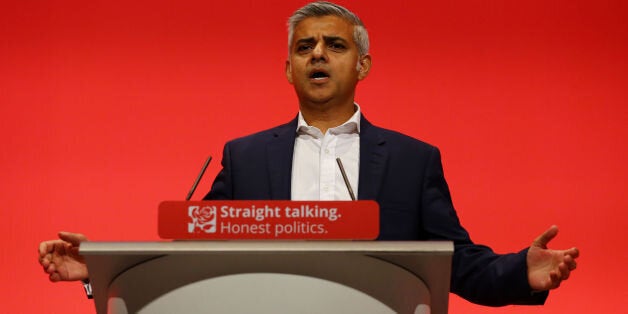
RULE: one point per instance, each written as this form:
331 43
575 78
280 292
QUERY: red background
109 107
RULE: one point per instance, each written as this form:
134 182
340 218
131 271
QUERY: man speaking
328 57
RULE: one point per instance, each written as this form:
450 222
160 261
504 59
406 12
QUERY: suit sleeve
478 274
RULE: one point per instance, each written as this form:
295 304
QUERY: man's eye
337 46
304 48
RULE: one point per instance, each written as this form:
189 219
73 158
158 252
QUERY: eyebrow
327 39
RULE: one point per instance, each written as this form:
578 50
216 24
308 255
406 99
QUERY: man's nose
319 53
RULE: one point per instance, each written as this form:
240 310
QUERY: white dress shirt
315 172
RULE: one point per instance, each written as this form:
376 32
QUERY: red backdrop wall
109 107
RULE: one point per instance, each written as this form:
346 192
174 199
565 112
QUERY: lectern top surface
184 247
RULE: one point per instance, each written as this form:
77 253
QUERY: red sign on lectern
295 220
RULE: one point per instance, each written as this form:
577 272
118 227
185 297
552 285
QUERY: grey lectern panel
236 283
269 276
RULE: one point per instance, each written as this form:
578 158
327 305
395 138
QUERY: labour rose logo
203 219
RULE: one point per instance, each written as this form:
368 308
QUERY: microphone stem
200 175
344 176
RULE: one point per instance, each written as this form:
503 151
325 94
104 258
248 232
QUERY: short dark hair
323 8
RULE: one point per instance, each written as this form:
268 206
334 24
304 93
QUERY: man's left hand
548 268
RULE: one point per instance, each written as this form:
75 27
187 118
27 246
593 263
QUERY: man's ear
364 66
289 71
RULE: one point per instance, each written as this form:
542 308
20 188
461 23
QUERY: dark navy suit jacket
405 177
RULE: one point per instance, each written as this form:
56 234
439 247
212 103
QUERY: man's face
324 61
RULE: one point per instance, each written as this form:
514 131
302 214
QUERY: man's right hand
60 258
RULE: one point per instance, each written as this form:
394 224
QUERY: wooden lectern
269 276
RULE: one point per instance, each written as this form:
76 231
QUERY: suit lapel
373 156
279 160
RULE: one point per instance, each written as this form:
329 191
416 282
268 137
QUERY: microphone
200 175
344 176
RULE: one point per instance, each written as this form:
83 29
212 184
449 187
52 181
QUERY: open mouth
319 75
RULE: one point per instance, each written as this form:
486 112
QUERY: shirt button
326 151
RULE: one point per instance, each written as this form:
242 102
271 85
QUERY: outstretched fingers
573 252
547 236
564 271
570 261
45 250
74 238
554 280
54 277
